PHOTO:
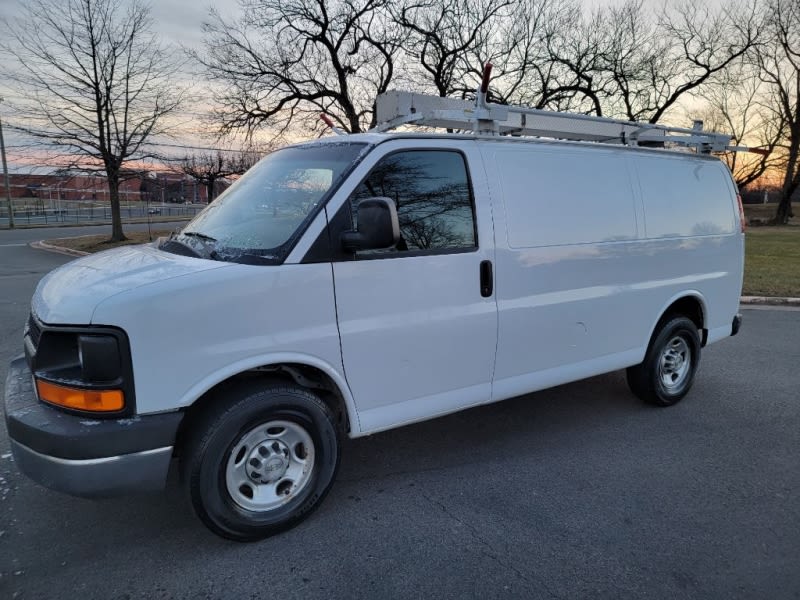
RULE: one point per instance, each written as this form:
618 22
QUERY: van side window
433 197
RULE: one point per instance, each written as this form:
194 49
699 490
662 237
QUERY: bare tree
737 103
624 60
655 59
779 69
96 83
286 61
208 168
544 54
576 47
442 33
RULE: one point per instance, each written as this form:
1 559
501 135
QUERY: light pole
5 176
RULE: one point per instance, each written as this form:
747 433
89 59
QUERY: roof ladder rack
396 108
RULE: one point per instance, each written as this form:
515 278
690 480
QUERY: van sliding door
568 256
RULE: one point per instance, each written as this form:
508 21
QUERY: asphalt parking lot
575 492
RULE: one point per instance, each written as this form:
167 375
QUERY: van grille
33 331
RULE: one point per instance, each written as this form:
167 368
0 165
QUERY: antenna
327 120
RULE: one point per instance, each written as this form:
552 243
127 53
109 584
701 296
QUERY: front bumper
80 455
736 324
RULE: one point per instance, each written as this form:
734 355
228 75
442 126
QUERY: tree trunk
784 212
210 189
116 218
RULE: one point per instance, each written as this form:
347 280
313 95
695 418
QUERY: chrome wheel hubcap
270 465
674 364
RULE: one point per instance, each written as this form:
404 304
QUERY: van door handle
487 280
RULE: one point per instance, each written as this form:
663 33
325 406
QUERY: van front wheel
667 372
260 460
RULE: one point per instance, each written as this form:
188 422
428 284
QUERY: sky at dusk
177 23
180 21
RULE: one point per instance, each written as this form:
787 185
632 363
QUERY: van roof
374 139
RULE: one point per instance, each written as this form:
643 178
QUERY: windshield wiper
197 234
179 247
212 254
249 258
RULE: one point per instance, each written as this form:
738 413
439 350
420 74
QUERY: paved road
576 492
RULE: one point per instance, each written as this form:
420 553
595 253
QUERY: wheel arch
305 370
691 304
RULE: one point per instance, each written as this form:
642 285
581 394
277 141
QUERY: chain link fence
74 212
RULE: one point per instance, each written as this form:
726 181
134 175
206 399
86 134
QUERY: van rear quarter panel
580 285
691 218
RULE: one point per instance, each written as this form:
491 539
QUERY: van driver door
418 321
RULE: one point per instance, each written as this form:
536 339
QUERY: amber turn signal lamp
90 400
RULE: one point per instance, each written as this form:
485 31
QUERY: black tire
650 379
236 414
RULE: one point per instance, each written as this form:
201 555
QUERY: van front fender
203 386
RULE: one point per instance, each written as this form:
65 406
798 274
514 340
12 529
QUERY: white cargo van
364 282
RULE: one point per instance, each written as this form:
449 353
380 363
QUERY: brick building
153 187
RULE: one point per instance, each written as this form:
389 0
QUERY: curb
769 301
42 245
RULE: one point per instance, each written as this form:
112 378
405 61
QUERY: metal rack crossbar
395 108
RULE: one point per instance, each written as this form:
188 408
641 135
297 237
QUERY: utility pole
5 176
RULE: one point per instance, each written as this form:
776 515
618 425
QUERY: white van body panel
684 197
188 334
69 294
413 344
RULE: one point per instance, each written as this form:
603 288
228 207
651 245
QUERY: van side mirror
378 226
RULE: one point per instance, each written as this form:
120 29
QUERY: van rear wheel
667 372
260 460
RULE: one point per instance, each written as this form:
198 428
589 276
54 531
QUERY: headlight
99 358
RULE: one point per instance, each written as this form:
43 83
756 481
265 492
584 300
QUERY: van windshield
259 217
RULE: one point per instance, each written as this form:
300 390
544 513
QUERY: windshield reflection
262 214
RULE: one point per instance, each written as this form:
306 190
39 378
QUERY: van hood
70 294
